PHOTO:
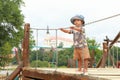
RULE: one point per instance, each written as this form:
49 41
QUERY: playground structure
28 73
107 45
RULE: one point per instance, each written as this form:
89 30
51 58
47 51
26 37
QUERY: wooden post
26 45
25 54
17 56
103 59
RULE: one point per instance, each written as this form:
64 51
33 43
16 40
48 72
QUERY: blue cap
80 17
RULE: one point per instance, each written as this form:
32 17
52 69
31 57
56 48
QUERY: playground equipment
23 67
27 73
107 45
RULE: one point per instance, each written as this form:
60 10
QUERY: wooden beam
112 41
115 40
25 54
103 60
99 62
105 55
26 45
15 72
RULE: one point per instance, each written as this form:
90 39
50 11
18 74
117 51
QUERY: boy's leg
85 65
79 65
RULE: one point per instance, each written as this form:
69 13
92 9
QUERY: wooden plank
53 75
71 74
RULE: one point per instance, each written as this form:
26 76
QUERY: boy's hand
61 29
72 27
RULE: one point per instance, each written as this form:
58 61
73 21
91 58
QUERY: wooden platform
71 74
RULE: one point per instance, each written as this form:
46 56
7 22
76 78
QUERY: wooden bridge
28 73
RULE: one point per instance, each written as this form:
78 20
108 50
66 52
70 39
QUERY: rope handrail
102 19
85 24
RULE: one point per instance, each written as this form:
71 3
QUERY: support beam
115 40
26 45
103 60
105 55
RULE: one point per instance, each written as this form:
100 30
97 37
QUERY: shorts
80 53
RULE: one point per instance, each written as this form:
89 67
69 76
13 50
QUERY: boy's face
78 23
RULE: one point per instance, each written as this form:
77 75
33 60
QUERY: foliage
60 45
38 63
49 55
11 20
93 45
6 51
45 54
32 41
64 55
115 53
11 31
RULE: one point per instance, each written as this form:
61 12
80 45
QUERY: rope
85 24
102 19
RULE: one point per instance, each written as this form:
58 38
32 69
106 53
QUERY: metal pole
36 48
113 56
108 56
56 51
83 60
117 56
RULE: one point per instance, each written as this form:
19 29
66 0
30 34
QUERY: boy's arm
77 29
65 31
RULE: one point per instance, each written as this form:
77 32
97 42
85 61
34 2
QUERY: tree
64 55
60 45
5 56
94 50
11 21
115 53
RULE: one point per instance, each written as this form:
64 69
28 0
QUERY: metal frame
56 30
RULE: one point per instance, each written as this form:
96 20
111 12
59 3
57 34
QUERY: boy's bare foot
85 70
80 70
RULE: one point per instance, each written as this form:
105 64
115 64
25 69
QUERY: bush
38 63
